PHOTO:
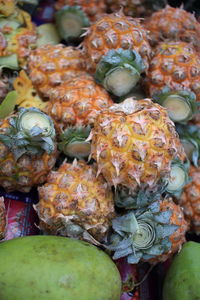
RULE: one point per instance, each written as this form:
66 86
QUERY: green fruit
54 268
183 278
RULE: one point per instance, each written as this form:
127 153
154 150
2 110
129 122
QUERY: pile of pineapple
108 131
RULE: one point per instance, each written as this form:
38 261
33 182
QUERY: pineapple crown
190 139
74 141
142 234
188 99
178 177
119 59
124 198
77 17
30 132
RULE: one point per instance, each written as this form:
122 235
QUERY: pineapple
77 102
111 32
27 149
93 9
173 79
17 39
7 7
75 203
26 94
134 143
152 234
2 218
190 200
51 65
73 106
136 8
173 24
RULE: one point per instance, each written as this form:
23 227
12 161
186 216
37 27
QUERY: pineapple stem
120 81
144 236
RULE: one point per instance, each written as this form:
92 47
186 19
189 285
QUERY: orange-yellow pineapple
49 66
27 149
75 203
2 218
92 8
190 200
77 102
173 24
134 143
175 65
136 8
114 31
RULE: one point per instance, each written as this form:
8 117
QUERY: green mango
54 268
182 281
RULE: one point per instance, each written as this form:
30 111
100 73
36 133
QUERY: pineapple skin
115 31
27 171
174 24
51 65
7 7
2 218
177 239
176 65
73 193
190 200
77 102
135 149
92 8
135 8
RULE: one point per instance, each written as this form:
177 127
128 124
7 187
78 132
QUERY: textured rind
51 65
27 171
115 31
177 239
175 65
92 8
7 7
135 8
173 24
190 200
2 218
74 194
77 102
135 149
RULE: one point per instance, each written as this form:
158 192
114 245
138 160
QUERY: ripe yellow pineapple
134 143
173 24
92 8
151 234
114 31
77 102
2 218
27 149
136 8
51 65
75 203
174 74
190 200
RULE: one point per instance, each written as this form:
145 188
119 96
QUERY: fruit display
99 146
